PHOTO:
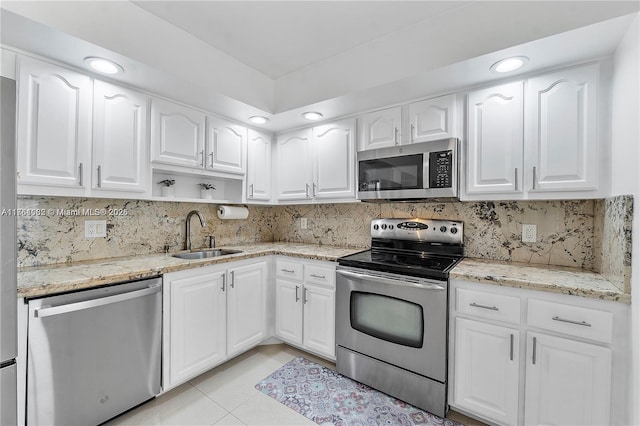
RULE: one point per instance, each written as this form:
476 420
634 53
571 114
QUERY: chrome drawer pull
322 277
491 308
584 323
287 271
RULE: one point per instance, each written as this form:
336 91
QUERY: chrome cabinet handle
297 297
583 323
306 190
491 308
251 191
511 347
99 177
305 297
395 136
101 301
534 177
233 279
412 130
224 280
288 271
80 173
315 189
202 158
211 155
322 277
533 359
516 180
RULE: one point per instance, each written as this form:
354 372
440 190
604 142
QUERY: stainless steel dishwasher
93 354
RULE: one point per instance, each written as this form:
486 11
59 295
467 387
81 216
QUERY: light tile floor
226 395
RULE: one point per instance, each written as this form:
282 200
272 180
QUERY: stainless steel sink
205 254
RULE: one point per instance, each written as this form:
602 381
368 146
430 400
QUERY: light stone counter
555 279
47 280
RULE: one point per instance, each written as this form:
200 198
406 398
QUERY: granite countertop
51 279
555 279
47 280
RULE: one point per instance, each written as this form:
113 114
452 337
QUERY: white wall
625 177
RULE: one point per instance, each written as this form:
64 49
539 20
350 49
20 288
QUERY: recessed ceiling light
509 64
103 65
312 115
258 119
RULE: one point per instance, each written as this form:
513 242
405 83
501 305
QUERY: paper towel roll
232 212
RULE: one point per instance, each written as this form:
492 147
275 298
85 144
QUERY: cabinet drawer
488 305
288 269
322 275
572 320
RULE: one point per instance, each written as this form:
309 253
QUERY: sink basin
205 254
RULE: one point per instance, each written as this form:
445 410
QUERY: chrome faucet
187 238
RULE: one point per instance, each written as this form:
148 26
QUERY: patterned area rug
328 398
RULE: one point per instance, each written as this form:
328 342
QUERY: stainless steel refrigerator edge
8 278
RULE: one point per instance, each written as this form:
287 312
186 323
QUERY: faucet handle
212 241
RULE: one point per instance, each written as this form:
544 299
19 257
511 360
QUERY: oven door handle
359 275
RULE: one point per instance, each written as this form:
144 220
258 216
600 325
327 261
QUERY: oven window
387 318
391 173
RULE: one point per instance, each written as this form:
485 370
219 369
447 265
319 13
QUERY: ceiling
279 58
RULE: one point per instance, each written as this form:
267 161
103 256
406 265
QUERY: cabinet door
567 382
294 171
319 319
247 306
177 134
432 119
334 160
486 370
495 140
197 324
289 310
258 166
54 127
562 130
381 129
119 138
226 146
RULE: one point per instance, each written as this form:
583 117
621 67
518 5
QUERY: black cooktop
422 265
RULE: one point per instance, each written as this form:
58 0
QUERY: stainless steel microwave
418 171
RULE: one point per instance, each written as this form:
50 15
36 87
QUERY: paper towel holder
232 212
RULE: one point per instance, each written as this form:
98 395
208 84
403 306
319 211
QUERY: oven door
398 319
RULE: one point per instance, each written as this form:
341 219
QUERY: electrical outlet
95 228
303 222
528 233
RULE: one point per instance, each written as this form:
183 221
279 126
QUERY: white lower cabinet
487 370
568 382
210 314
565 375
305 305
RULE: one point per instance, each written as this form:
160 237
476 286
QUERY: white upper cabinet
54 129
318 163
258 166
294 173
432 119
177 134
562 130
226 146
120 161
381 129
334 160
553 153
495 140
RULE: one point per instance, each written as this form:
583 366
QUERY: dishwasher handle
101 301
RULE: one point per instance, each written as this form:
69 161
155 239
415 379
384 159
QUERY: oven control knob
443 229
375 227
384 226
454 230
390 227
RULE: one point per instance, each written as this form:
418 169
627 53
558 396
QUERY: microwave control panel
441 169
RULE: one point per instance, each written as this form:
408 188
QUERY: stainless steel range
391 309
